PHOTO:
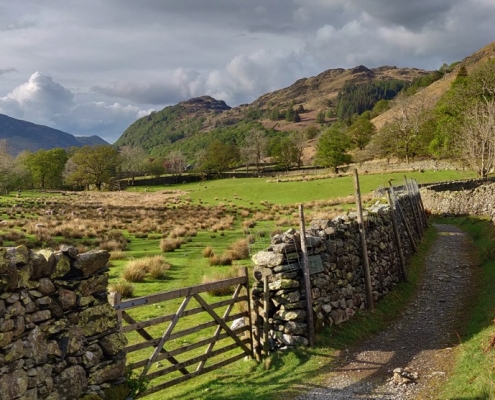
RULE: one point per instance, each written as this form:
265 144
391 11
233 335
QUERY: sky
93 67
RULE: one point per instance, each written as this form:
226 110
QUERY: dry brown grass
170 244
207 251
133 272
124 288
117 255
239 249
232 272
222 259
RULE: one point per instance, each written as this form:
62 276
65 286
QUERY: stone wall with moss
59 337
336 270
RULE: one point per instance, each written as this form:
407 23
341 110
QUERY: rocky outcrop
58 334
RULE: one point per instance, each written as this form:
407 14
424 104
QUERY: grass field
216 214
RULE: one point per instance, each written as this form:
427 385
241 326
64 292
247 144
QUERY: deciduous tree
92 166
132 161
332 147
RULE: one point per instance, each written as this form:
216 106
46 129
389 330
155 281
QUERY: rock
71 383
107 373
90 262
13 385
97 319
67 299
290 315
113 343
268 258
62 266
291 340
283 284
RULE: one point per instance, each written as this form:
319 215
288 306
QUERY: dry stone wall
471 197
59 337
336 271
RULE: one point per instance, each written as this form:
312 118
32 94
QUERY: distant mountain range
22 135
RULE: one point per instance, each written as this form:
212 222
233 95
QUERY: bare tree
133 161
176 162
478 131
299 142
254 149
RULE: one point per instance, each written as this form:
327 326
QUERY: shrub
118 255
111 245
124 288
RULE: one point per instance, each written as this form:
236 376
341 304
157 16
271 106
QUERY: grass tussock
125 289
208 252
232 272
239 250
137 270
171 244
133 273
222 259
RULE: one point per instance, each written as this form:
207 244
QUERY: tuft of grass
170 244
222 259
124 288
217 276
207 252
134 272
239 250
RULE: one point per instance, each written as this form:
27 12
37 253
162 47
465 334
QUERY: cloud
42 100
7 70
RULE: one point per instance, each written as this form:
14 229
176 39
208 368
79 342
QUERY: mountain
204 114
22 135
432 93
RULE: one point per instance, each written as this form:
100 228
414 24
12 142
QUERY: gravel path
421 340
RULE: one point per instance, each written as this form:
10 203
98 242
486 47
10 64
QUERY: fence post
256 334
404 220
307 279
397 237
249 316
421 205
364 247
417 222
115 298
266 301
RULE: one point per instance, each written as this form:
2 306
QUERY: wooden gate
172 348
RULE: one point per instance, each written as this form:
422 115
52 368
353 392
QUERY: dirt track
423 339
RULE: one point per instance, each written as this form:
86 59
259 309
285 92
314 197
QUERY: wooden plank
187 313
178 293
147 336
166 334
115 298
364 247
266 325
248 321
417 223
191 361
219 328
221 322
181 379
179 334
307 279
403 217
186 348
397 238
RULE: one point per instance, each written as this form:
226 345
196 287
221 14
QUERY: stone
94 284
113 343
6 325
107 373
296 328
62 266
92 356
16 352
97 319
67 299
90 262
6 338
290 340
69 251
36 345
46 286
71 383
18 255
14 384
19 326
268 258
283 284
40 316
290 315
43 263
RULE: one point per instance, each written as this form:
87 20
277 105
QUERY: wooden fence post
266 305
417 223
115 298
364 247
307 279
249 316
404 220
397 237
